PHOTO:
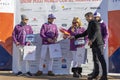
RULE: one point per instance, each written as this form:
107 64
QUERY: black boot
93 76
103 78
90 74
93 73
79 71
75 72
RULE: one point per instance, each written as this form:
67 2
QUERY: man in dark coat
96 43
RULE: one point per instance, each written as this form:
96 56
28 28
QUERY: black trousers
98 57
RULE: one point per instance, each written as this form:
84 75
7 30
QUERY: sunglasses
74 22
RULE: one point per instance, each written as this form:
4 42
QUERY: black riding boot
79 71
75 72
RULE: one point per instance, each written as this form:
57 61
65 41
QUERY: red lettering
25 1
37 1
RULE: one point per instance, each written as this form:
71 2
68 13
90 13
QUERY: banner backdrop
64 10
6 27
114 38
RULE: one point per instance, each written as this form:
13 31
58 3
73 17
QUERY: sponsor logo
64 25
64 66
56 60
94 7
23 9
34 20
33 65
66 8
4 3
80 8
53 8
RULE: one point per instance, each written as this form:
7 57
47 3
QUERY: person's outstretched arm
81 35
